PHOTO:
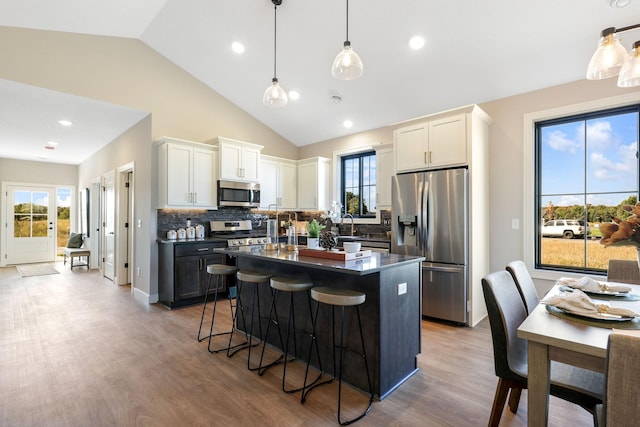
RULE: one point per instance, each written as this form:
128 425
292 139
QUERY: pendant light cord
347 20
275 31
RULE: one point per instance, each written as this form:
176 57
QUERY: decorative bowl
351 247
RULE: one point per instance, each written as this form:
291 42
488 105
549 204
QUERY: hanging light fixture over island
347 65
275 95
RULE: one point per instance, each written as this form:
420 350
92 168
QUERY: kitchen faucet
277 224
342 221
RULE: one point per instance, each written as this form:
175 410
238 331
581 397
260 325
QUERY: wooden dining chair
622 397
525 284
507 311
623 271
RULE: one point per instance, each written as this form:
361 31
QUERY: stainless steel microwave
241 194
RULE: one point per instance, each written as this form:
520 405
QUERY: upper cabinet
385 170
278 182
239 161
432 143
187 173
314 183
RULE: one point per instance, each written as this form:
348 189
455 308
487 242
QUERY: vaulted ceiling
475 51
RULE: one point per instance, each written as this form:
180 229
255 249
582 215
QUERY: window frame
337 175
343 198
582 118
529 217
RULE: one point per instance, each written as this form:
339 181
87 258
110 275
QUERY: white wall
133 147
127 72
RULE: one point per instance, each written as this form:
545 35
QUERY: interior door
31 224
109 226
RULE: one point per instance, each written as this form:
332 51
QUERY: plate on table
607 293
594 292
597 316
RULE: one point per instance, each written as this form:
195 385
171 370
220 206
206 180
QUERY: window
586 169
358 187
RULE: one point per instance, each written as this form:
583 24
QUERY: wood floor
76 350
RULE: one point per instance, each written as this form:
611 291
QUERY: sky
606 170
41 198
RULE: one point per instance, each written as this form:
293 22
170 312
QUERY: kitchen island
391 314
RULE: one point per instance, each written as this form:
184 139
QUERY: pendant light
630 72
608 58
347 65
275 96
611 59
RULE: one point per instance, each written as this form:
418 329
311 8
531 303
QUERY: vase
313 242
638 256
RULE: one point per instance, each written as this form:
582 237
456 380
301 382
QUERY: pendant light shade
609 57
347 65
275 96
630 72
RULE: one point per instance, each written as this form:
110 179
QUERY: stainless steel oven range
239 234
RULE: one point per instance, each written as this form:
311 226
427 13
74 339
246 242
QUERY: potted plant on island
313 234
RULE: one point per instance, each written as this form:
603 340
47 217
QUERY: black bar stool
339 298
291 286
221 271
257 279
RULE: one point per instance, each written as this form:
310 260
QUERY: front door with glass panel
31 234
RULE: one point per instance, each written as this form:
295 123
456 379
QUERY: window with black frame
358 188
586 173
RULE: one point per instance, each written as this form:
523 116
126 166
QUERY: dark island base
391 322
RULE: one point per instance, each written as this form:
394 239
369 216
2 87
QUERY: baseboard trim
144 297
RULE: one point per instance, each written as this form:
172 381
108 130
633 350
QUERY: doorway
30 217
108 226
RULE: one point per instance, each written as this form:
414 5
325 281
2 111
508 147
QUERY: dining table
574 340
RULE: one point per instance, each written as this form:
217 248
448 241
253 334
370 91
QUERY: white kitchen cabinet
434 143
187 173
278 182
239 161
385 170
314 183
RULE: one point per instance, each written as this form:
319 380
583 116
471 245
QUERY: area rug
27 270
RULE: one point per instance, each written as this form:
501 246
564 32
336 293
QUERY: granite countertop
360 266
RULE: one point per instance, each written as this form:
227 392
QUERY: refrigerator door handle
443 269
424 216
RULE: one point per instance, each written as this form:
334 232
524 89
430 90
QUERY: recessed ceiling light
65 122
237 47
347 123
293 95
52 143
416 42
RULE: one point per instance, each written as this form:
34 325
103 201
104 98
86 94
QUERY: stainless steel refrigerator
430 218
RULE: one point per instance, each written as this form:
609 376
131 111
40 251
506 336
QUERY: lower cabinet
182 275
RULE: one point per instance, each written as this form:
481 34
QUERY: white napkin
589 285
577 302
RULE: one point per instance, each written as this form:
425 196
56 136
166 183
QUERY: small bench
76 253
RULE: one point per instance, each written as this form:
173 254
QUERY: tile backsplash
171 219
